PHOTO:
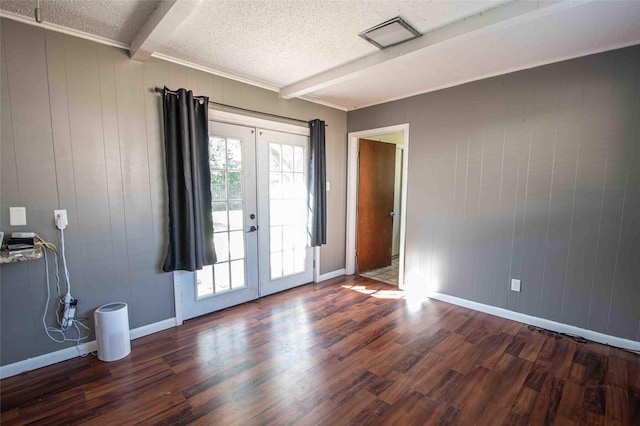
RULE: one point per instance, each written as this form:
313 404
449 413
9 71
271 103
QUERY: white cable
46 306
57 276
67 316
77 324
64 262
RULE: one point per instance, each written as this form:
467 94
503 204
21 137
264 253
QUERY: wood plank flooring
347 351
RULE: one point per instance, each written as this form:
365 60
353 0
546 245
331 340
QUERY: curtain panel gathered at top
186 139
317 184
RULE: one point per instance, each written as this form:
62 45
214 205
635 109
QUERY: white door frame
182 277
352 194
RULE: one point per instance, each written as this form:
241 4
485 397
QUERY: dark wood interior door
376 172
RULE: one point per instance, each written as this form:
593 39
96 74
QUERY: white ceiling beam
505 15
166 17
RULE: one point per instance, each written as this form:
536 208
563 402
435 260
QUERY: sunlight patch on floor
415 296
377 293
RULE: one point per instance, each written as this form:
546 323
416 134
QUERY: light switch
328 186
17 216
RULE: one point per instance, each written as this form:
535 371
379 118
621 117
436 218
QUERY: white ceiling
311 48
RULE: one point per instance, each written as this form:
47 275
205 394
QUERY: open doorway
376 201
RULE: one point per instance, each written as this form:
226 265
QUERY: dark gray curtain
317 185
186 138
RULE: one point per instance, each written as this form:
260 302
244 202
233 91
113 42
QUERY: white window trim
260 123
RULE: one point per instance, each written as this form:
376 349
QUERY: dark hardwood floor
347 351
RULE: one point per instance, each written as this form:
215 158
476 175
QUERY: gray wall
532 175
82 130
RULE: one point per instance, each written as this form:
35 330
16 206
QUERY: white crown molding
64 30
495 74
244 80
511 13
113 43
217 72
309 98
108 42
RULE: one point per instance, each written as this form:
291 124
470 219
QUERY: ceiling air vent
390 33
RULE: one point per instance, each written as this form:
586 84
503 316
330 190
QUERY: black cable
577 339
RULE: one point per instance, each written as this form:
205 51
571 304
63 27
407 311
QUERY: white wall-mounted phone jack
515 284
60 218
17 216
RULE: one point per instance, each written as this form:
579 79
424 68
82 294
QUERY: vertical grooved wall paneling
532 175
35 165
13 279
82 130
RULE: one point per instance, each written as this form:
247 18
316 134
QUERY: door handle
252 229
392 213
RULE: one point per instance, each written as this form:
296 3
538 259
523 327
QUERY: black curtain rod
159 90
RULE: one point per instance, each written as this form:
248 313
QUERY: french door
259 203
286 260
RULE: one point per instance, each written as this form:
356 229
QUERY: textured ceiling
311 48
281 42
117 20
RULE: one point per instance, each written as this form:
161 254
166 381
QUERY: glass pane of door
284 251
225 162
234 277
287 210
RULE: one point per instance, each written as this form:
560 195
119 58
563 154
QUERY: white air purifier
112 331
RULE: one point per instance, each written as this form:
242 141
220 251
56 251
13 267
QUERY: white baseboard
72 352
332 274
145 330
540 322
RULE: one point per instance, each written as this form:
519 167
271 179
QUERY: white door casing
352 195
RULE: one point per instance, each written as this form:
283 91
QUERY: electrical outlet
515 285
60 219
